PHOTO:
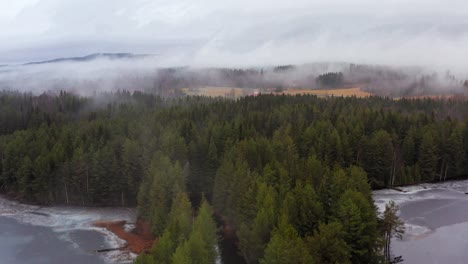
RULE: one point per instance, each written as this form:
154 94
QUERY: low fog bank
240 34
83 78
157 75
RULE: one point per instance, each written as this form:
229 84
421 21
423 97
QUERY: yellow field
238 92
346 92
217 91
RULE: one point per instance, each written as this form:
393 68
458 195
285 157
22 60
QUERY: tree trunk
394 168
388 248
87 180
387 254
446 170
441 170
66 191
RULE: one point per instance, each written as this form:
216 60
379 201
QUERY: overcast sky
240 32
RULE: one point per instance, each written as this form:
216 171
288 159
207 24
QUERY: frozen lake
435 215
27 244
436 219
36 235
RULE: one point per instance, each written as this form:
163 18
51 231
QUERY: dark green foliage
26 111
306 211
177 230
359 222
255 234
428 157
292 176
193 251
205 225
185 240
163 182
330 79
286 247
328 244
378 156
391 226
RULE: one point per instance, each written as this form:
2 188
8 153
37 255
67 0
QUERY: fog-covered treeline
99 75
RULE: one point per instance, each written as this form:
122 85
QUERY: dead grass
346 92
216 91
238 92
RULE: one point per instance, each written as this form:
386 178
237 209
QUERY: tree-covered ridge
22 111
330 79
291 175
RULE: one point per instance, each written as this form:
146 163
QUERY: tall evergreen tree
428 157
286 246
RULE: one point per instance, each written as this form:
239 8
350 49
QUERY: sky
240 32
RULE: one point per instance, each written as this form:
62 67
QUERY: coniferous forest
291 175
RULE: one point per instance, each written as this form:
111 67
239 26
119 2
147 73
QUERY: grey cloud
243 33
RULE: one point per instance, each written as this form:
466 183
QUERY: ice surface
436 221
65 220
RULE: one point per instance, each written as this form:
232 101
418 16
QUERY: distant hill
91 57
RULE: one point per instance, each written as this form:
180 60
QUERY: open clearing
218 91
238 92
346 92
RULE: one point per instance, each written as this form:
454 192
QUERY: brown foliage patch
139 240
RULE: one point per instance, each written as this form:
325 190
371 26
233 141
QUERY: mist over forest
233 131
108 72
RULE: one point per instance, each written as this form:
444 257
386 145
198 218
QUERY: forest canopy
292 175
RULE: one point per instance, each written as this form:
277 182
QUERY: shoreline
435 181
138 240
65 220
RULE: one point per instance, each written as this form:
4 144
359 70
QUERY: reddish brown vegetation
139 240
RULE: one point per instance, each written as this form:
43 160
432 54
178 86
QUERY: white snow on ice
436 217
65 219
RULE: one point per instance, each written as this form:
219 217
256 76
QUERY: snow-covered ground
436 220
65 221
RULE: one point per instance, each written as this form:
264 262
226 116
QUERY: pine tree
428 157
25 178
200 248
132 168
254 235
206 225
192 251
454 166
177 231
391 226
409 150
286 246
328 244
167 182
222 185
160 186
378 158
308 211
359 222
